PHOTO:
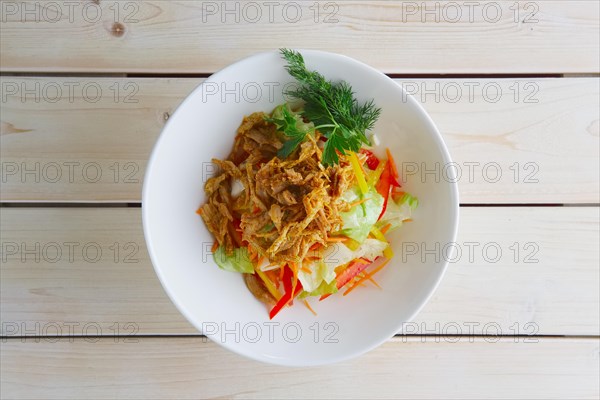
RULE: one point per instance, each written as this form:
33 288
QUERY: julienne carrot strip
356 280
215 246
281 269
305 269
385 228
336 239
376 270
366 277
339 272
374 282
309 307
371 279
392 164
314 251
199 211
351 288
358 202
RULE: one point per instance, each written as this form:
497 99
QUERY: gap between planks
557 135
556 289
185 39
424 337
42 74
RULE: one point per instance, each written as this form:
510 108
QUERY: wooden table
86 89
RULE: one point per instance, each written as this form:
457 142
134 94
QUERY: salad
302 205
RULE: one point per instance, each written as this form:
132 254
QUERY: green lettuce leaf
238 261
320 272
336 254
397 212
323 288
357 222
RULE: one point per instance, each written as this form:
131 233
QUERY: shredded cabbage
323 272
397 212
323 288
357 222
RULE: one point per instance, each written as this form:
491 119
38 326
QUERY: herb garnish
330 106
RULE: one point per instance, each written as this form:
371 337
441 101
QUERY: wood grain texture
551 283
192 368
396 37
93 141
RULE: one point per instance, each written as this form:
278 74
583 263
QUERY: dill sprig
332 107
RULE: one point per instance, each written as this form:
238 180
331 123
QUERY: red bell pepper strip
395 178
384 181
384 187
394 181
372 160
347 275
387 185
287 279
386 198
285 299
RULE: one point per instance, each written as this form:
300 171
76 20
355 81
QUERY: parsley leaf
292 125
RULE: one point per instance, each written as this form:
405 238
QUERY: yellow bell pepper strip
358 172
375 175
269 284
388 253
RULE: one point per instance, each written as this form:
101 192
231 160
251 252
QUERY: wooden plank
545 280
91 144
190 367
541 135
396 37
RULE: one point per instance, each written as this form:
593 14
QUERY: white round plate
217 302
